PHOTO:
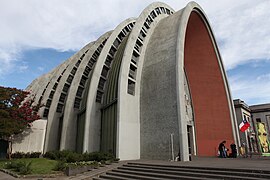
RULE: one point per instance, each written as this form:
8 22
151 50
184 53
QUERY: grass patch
2 162
38 165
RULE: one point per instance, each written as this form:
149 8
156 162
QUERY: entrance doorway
3 148
190 141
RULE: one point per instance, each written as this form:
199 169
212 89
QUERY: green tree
17 112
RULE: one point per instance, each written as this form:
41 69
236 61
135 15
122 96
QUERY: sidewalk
254 163
4 176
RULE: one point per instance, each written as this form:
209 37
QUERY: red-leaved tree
17 112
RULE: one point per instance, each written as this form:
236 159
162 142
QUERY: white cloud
41 68
244 32
23 68
265 77
8 58
68 25
250 90
241 27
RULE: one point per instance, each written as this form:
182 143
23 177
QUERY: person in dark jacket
222 149
234 151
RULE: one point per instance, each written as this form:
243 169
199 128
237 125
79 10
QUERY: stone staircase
147 171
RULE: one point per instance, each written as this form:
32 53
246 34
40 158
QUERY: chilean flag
244 125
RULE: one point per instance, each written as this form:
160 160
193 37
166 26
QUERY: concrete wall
32 140
128 121
158 101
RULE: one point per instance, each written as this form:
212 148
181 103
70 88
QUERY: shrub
10 165
102 156
27 155
83 163
71 157
25 168
65 155
19 155
19 166
60 166
74 157
35 154
98 156
51 155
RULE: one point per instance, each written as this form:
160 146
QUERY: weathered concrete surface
31 140
158 102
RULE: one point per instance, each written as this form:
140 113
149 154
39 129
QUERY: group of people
223 151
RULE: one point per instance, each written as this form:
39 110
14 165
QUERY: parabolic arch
152 88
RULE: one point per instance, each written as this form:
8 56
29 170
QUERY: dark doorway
3 148
190 141
60 126
80 131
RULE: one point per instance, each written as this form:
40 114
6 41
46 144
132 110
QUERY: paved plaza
254 163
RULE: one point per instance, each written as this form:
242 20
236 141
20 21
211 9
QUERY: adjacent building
152 88
256 137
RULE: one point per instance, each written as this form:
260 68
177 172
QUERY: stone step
114 177
98 178
171 170
159 176
129 176
154 171
177 175
197 167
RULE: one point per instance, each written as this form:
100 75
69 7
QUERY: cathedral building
152 88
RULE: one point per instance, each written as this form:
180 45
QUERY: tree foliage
17 111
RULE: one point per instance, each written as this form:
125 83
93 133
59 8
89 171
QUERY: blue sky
32 64
36 36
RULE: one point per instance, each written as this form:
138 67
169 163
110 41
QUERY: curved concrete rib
128 120
69 128
92 120
54 128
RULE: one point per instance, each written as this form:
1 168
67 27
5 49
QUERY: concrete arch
69 128
55 119
162 102
44 91
208 83
39 84
128 120
141 90
92 117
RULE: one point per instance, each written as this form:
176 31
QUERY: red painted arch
210 103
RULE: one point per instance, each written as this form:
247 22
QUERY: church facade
152 88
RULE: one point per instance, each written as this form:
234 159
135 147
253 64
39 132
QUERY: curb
10 173
32 176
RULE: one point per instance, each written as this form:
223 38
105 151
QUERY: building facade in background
152 88
256 138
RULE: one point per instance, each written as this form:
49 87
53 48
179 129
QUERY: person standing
222 149
234 150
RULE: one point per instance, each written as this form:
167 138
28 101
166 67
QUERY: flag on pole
243 126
